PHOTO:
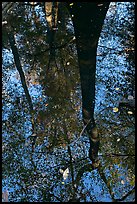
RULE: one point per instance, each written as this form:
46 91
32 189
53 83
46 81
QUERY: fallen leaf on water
65 174
130 112
100 4
68 63
122 182
61 171
34 82
115 109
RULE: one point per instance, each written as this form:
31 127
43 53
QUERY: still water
58 167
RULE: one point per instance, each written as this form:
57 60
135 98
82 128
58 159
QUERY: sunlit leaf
122 182
68 63
132 182
34 82
4 22
71 4
65 174
100 4
130 112
115 109
61 171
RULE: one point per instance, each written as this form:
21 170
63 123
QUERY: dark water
58 168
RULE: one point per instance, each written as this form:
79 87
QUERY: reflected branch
110 188
125 196
81 132
117 155
103 177
70 161
37 54
23 81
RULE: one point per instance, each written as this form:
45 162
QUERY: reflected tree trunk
51 11
88 19
19 68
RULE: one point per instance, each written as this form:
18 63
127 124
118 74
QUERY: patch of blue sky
7 57
35 91
121 189
101 95
6 110
18 37
113 65
121 186
41 15
53 161
79 149
7 184
130 198
61 190
38 9
96 187
27 127
13 80
122 10
57 192
69 25
113 42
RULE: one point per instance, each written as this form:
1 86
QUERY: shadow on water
57 167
